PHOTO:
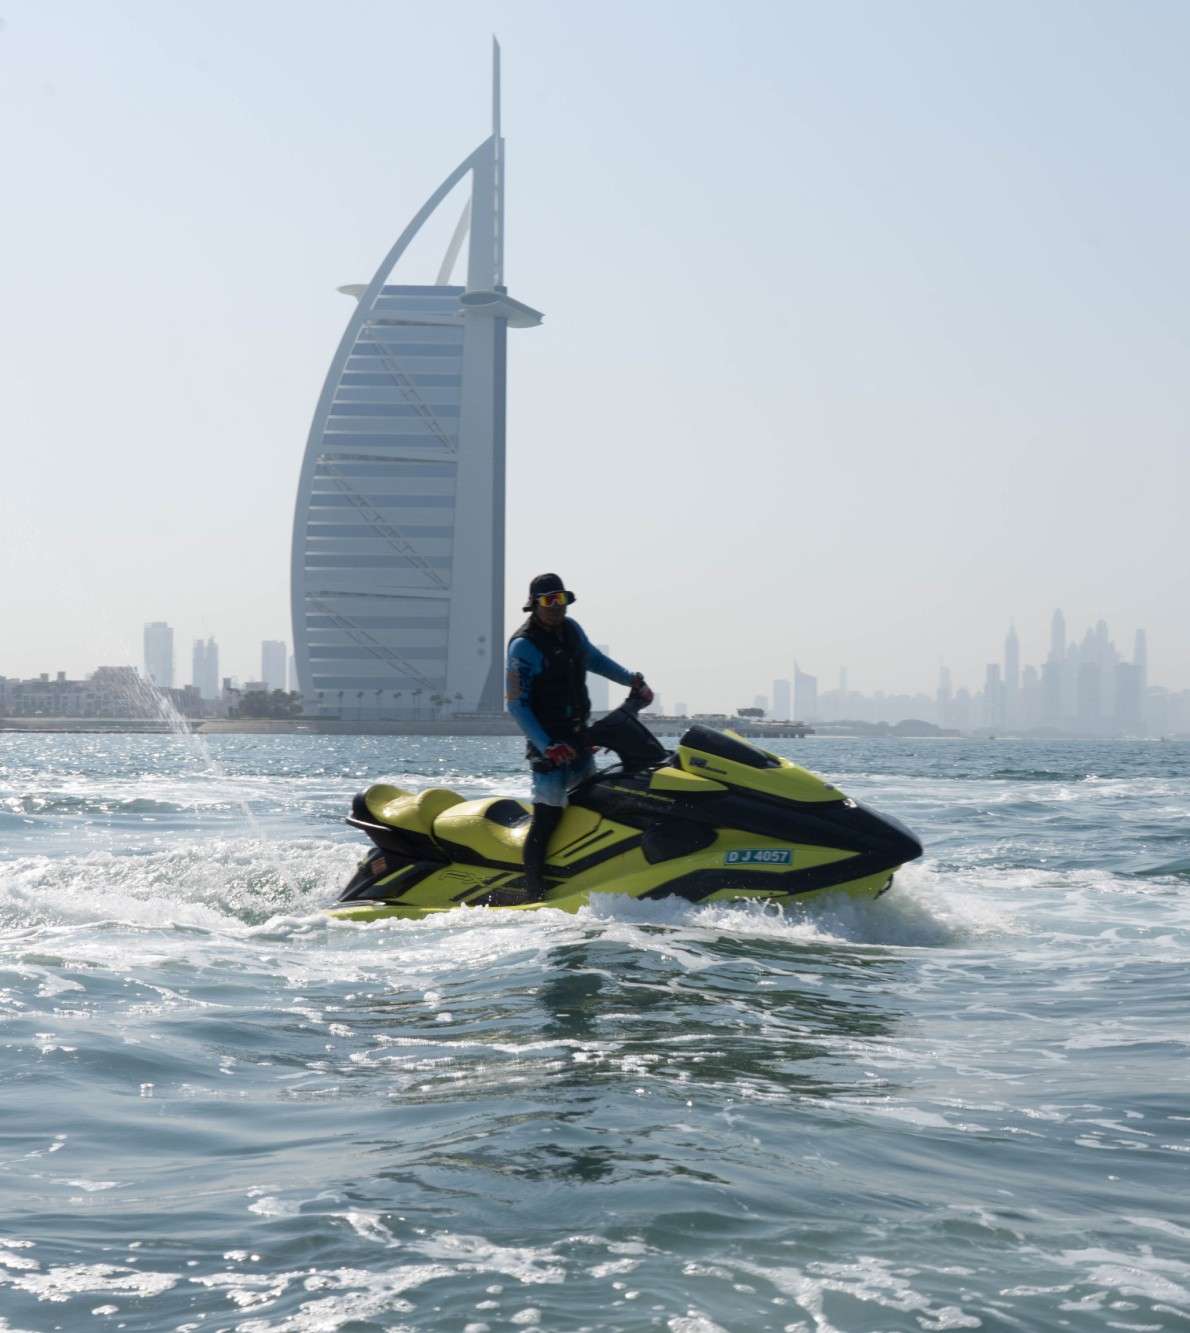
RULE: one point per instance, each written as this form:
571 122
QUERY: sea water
963 1106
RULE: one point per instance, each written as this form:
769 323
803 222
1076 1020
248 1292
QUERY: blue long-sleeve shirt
525 662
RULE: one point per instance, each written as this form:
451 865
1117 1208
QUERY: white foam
213 885
356 1295
919 911
65 1281
1143 1274
877 1282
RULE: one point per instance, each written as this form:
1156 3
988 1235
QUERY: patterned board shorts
553 788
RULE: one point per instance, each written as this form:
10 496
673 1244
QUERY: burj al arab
398 536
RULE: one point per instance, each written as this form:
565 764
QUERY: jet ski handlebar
635 700
622 732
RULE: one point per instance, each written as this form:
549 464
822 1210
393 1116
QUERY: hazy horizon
865 324
839 678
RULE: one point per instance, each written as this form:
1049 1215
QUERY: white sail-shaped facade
398 542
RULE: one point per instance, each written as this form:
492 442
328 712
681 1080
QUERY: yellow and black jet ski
718 819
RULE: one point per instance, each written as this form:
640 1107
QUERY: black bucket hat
546 583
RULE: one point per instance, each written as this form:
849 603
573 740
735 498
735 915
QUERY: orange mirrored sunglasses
552 599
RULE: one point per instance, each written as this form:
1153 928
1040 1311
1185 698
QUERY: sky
865 337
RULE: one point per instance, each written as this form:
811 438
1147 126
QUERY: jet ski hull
719 820
570 899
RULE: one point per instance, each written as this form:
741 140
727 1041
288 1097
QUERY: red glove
640 689
560 753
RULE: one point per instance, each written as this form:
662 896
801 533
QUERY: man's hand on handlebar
641 690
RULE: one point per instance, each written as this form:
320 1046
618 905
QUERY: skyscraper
1058 638
1012 679
272 664
1140 659
805 695
398 541
159 654
204 674
1012 661
1128 702
993 698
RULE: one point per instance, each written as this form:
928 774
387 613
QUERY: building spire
497 179
495 89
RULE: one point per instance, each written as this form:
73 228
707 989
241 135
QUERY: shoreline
477 726
454 726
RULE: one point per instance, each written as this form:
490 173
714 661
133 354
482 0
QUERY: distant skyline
866 338
272 660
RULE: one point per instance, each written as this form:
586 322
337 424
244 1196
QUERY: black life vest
558 695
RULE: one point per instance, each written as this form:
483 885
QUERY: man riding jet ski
716 820
545 692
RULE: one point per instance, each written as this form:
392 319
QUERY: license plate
758 856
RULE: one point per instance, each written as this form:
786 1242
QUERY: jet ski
716 820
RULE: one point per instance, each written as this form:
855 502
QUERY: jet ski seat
492 829
415 812
495 829
400 821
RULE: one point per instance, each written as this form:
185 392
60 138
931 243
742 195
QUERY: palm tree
359 704
397 701
378 694
458 700
417 702
340 705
